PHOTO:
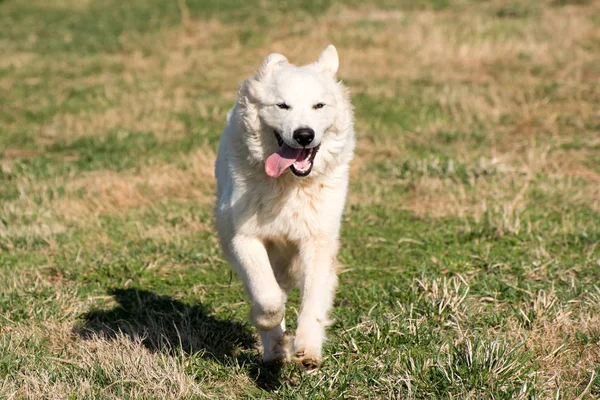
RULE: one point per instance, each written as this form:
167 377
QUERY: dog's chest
295 213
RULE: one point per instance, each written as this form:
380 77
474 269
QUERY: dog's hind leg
318 281
250 260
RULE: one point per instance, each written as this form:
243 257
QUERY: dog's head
297 117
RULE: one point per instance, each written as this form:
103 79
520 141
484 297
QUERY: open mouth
299 161
304 164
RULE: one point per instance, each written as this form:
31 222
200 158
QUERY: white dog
282 174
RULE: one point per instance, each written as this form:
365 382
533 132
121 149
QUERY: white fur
283 233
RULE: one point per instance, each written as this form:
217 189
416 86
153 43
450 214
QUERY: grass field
470 240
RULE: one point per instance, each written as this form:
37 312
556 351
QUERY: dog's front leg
318 281
249 258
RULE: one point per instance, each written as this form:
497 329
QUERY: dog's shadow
164 324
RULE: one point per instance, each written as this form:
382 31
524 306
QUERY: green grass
470 242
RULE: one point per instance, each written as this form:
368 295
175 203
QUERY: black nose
304 136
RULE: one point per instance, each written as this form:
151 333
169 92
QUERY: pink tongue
282 159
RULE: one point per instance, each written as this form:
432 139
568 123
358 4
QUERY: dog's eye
319 105
283 106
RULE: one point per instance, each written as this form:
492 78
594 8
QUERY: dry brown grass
109 192
62 4
145 111
503 191
565 362
498 66
94 194
126 366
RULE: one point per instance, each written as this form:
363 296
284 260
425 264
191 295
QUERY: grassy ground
470 241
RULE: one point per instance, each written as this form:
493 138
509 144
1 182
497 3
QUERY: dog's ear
252 87
269 62
329 61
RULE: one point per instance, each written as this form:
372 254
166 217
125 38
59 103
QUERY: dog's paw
281 352
307 346
310 361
